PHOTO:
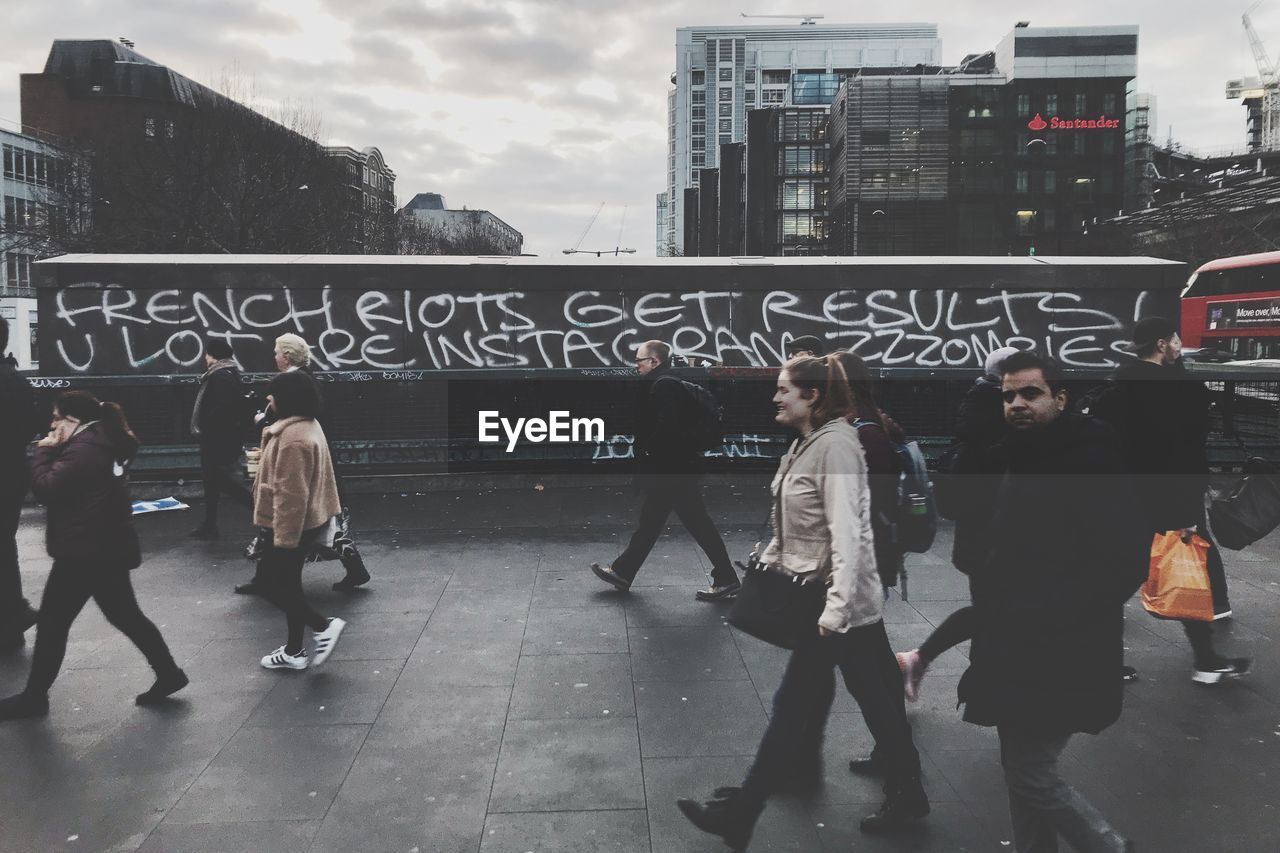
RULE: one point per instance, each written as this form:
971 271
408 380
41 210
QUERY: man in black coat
1162 416
219 422
18 426
1066 552
667 473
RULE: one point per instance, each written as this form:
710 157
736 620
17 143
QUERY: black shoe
24 706
609 576
165 686
1128 673
719 593
870 766
204 531
904 804
728 815
352 580
1222 669
250 588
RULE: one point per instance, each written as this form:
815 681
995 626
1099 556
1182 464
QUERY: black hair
85 407
218 348
295 395
1048 368
807 343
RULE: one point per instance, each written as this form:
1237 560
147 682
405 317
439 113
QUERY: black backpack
704 417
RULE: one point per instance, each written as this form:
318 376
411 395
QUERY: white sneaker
324 642
280 659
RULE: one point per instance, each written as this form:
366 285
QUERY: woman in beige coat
822 531
295 496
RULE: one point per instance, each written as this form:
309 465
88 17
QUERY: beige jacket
295 489
822 523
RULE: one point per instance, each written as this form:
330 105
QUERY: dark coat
1162 417
979 427
87 495
661 412
19 424
221 415
1067 551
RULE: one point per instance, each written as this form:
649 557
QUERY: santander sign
1100 123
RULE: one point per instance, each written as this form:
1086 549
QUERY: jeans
684 496
13 607
71 584
1042 805
218 471
280 573
803 701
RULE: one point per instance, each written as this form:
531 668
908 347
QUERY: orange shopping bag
1177 586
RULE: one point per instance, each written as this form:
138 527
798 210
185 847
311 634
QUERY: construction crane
805 20
616 250
1261 94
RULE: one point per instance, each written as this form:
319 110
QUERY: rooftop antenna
805 20
126 42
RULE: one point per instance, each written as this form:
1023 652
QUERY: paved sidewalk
490 696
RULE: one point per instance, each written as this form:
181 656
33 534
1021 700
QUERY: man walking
1162 416
18 425
667 473
1067 551
218 423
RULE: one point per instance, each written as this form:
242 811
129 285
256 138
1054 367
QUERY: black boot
905 802
24 706
166 685
729 815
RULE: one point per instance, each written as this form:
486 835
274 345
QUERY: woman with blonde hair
821 523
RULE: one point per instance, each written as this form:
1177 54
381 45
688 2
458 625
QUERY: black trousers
13 607
219 474
280 573
70 586
803 701
683 495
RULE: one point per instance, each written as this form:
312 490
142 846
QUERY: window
1021 182
725 138
149 127
775 77
1049 220
1050 182
796 195
698 157
773 96
1051 145
1109 143
18 212
726 125
1024 105
802 160
698 97
1082 190
1051 104
698 78
875 139
1078 143
726 94
1025 223
17 269
751 96
1106 182
699 113
1082 104
726 74
1109 103
978 141
751 75
698 128
1024 139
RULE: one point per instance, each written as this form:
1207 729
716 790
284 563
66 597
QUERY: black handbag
1249 510
780 608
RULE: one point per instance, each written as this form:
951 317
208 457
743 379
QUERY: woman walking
822 526
294 497
79 474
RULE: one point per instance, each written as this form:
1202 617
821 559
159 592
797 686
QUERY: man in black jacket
219 422
667 472
18 426
1066 552
1162 416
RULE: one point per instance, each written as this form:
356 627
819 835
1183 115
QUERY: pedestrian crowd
1057 505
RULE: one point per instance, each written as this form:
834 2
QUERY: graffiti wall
134 317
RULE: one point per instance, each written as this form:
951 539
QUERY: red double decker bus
1233 305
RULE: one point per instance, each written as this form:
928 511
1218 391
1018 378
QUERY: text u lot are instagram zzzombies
559 427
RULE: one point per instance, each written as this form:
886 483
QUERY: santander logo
1100 123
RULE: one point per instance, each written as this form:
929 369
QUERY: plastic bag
1177 585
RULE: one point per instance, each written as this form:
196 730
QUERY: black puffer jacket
1162 417
18 426
84 486
1067 551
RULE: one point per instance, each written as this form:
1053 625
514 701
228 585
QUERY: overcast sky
540 110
